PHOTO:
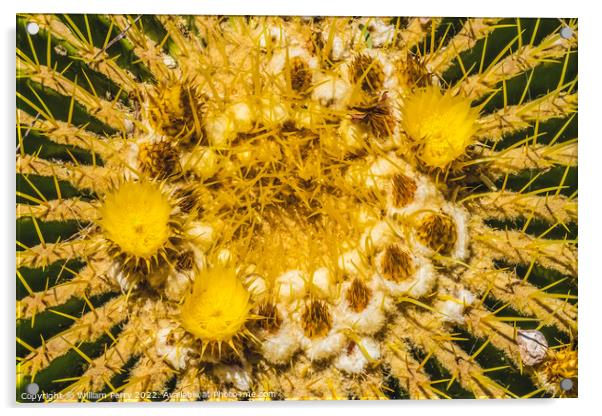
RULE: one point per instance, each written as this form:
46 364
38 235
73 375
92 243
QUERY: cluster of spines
556 209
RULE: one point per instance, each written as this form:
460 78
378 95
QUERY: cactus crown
296 207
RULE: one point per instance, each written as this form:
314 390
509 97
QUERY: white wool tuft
201 234
280 347
128 125
384 167
325 347
291 285
338 51
380 32
278 62
178 284
242 115
202 161
418 285
131 158
352 136
377 236
355 361
256 284
331 91
220 130
169 62
460 217
350 261
273 111
368 321
225 257
126 282
233 374
451 311
466 296
175 355
277 35
322 281
426 197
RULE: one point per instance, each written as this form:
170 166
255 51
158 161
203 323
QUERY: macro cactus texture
286 208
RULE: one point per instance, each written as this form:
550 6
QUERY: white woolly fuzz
225 257
340 42
376 237
201 234
128 126
242 115
426 197
322 282
220 130
308 117
291 285
126 282
280 347
234 375
277 64
379 174
178 282
365 216
351 261
273 36
202 161
359 357
352 136
131 159
256 285
317 349
357 176
453 309
368 321
331 91
418 285
385 167
460 217
273 111
466 297
338 51
381 33
174 355
387 67
169 62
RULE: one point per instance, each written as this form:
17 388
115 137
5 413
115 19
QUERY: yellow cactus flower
136 218
441 124
218 306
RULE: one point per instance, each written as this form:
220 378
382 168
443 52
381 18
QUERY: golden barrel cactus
267 208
